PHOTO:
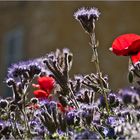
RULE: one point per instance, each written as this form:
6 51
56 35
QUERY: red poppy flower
60 107
41 93
127 45
64 109
135 58
46 83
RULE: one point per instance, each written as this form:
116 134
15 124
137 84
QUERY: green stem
95 59
95 129
13 127
23 111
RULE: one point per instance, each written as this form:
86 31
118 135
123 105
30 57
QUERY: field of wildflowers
83 107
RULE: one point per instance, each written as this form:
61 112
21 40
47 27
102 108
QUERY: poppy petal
135 58
122 43
135 47
60 107
46 83
41 93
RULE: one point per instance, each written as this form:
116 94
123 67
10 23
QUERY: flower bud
3 103
34 100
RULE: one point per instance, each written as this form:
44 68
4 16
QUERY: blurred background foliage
32 29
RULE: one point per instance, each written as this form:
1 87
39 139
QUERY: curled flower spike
127 45
87 17
27 70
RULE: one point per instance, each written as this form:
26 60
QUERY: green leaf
131 76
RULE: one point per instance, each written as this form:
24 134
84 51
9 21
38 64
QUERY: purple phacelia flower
3 103
86 134
87 18
15 69
70 118
10 82
1 125
33 123
89 13
27 70
101 102
130 96
111 121
113 100
109 132
43 102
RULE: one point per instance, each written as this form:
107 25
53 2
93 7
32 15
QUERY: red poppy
41 93
64 109
60 107
127 45
45 85
135 58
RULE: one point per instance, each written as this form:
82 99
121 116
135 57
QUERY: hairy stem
95 59
72 94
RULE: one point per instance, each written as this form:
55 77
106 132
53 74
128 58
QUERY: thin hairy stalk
95 59
15 127
23 111
76 103
95 129
92 127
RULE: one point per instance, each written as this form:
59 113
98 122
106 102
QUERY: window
13 45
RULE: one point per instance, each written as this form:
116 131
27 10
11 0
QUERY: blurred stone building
32 29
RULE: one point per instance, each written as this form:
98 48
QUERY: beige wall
50 25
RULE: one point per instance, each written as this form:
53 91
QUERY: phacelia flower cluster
87 18
23 72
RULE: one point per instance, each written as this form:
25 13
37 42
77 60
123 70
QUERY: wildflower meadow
78 107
